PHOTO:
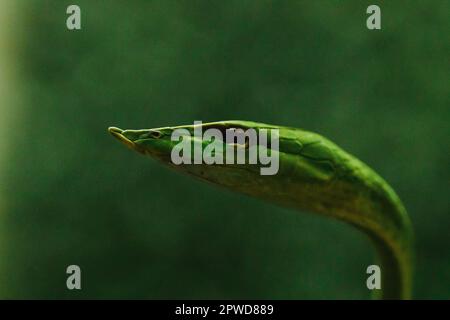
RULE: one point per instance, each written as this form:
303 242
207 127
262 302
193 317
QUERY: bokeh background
70 194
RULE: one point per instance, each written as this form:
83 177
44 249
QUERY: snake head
294 159
153 142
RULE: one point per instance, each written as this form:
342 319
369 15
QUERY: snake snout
122 136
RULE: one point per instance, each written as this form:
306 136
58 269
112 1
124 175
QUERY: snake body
314 175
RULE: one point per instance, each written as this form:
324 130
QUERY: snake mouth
118 134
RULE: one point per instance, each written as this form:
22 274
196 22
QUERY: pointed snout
121 135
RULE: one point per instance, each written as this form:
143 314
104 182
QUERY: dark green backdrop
73 195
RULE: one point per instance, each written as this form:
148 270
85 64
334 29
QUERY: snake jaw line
118 134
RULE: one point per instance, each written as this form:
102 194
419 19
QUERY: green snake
314 175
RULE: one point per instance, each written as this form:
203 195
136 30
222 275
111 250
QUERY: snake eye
240 131
247 142
155 134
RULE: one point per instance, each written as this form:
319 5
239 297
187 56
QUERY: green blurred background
70 194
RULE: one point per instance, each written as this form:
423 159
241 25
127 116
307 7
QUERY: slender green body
314 175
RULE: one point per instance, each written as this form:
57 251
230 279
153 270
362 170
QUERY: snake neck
362 198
